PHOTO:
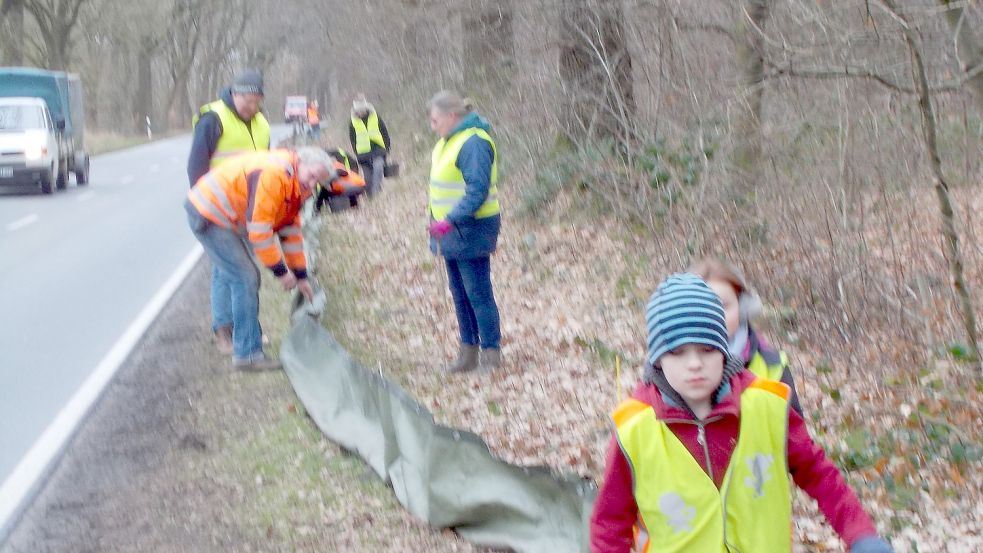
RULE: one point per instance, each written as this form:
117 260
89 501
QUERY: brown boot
223 339
491 359
467 360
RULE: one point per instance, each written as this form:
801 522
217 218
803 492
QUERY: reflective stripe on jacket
258 196
366 133
680 508
447 185
237 136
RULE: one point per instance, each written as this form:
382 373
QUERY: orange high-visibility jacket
312 116
347 184
257 195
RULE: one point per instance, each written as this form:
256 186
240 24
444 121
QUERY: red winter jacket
615 511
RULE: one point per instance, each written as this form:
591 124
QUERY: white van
30 152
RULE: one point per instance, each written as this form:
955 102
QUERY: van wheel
46 179
62 181
82 175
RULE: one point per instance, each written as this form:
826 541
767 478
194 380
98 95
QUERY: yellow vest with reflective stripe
680 508
366 135
447 184
761 368
236 138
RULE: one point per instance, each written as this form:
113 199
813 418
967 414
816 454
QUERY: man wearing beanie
701 453
229 126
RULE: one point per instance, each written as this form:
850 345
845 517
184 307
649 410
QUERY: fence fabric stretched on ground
445 476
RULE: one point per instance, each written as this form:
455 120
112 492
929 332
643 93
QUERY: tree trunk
949 234
596 72
750 60
13 32
489 46
968 48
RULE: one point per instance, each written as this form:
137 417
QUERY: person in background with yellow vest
229 126
464 224
702 451
252 203
741 305
370 140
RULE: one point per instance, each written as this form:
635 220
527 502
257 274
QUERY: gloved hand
439 228
871 544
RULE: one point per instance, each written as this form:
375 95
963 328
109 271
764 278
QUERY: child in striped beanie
703 451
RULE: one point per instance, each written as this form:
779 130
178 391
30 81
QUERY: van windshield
19 118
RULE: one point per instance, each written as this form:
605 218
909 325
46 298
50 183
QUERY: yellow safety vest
680 508
366 135
447 184
761 368
236 138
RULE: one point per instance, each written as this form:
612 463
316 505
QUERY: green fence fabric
445 476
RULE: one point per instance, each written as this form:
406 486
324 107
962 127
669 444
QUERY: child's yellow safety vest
680 508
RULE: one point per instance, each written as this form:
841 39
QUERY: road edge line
27 477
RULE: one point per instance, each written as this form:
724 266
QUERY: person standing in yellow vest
741 305
464 224
702 452
231 125
370 140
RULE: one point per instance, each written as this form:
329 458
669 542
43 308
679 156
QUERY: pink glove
439 228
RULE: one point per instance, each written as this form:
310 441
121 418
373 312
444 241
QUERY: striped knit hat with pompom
684 310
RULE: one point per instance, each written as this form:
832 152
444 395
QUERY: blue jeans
474 301
235 284
373 175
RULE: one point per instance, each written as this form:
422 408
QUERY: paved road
77 269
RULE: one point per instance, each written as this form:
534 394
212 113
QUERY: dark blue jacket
470 238
205 138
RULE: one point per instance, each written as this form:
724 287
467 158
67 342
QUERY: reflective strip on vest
447 185
236 137
259 227
366 134
680 507
291 230
208 209
761 368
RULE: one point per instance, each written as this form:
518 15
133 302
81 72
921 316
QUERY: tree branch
856 72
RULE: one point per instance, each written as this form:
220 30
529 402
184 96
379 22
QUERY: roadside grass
101 142
300 491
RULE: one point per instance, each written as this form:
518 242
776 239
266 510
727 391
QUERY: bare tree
56 20
596 70
941 185
969 51
489 43
751 63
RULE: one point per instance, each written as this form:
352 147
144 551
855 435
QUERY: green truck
62 92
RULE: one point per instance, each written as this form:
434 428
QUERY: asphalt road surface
78 271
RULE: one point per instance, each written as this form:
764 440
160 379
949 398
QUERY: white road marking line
22 222
26 478
126 179
86 196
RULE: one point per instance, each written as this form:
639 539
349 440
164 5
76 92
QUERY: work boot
467 360
257 362
223 339
491 359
